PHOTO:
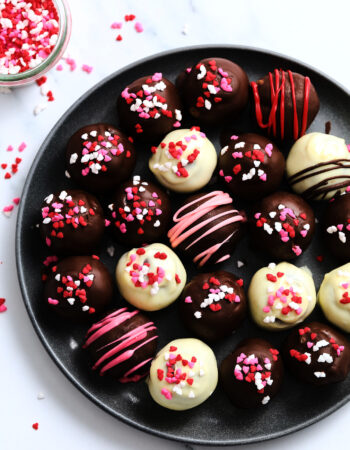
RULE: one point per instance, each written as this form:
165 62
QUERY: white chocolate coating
281 296
318 148
171 164
151 277
199 374
334 297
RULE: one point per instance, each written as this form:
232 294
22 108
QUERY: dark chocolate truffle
99 157
252 374
317 354
285 104
207 228
213 305
251 166
140 212
336 226
72 222
78 286
122 345
282 225
150 107
214 89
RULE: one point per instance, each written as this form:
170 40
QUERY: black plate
216 421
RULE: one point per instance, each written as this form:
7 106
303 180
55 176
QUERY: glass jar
30 75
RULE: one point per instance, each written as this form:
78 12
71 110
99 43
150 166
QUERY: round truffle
183 374
213 305
285 104
282 225
334 297
122 345
99 157
215 89
281 296
140 212
184 161
72 222
78 287
317 354
252 374
251 166
336 227
207 228
318 166
150 107
151 277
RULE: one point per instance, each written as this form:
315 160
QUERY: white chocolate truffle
184 161
281 296
150 277
192 362
318 166
334 297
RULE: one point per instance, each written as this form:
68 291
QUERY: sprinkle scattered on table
35 426
3 307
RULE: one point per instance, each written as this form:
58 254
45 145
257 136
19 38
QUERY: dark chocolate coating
224 104
220 318
137 350
268 166
296 347
149 129
96 294
137 227
292 219
338 215
284 107
81 232
244 393
119 157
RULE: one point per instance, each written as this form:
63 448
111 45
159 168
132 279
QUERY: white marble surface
313 31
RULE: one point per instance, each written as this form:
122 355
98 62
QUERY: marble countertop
315 32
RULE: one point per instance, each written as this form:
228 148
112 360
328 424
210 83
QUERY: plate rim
20 271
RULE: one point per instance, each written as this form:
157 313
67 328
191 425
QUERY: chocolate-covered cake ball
77 287
251 166
285 104
336 227
317 354
252 374
282 225
140 212
207 228
72 222
213 305
122 345
99 157
214 89
150 107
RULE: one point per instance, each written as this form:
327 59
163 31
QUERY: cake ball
281 296
72 222
285 104
336 226
77 287
334 297
213 305
252 374
122 345
184 161
317 354
140 212
150 277
99 157
207 228
214 89
150 107
183 374
282 225
318 166
251 166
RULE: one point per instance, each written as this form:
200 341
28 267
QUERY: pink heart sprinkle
188 299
